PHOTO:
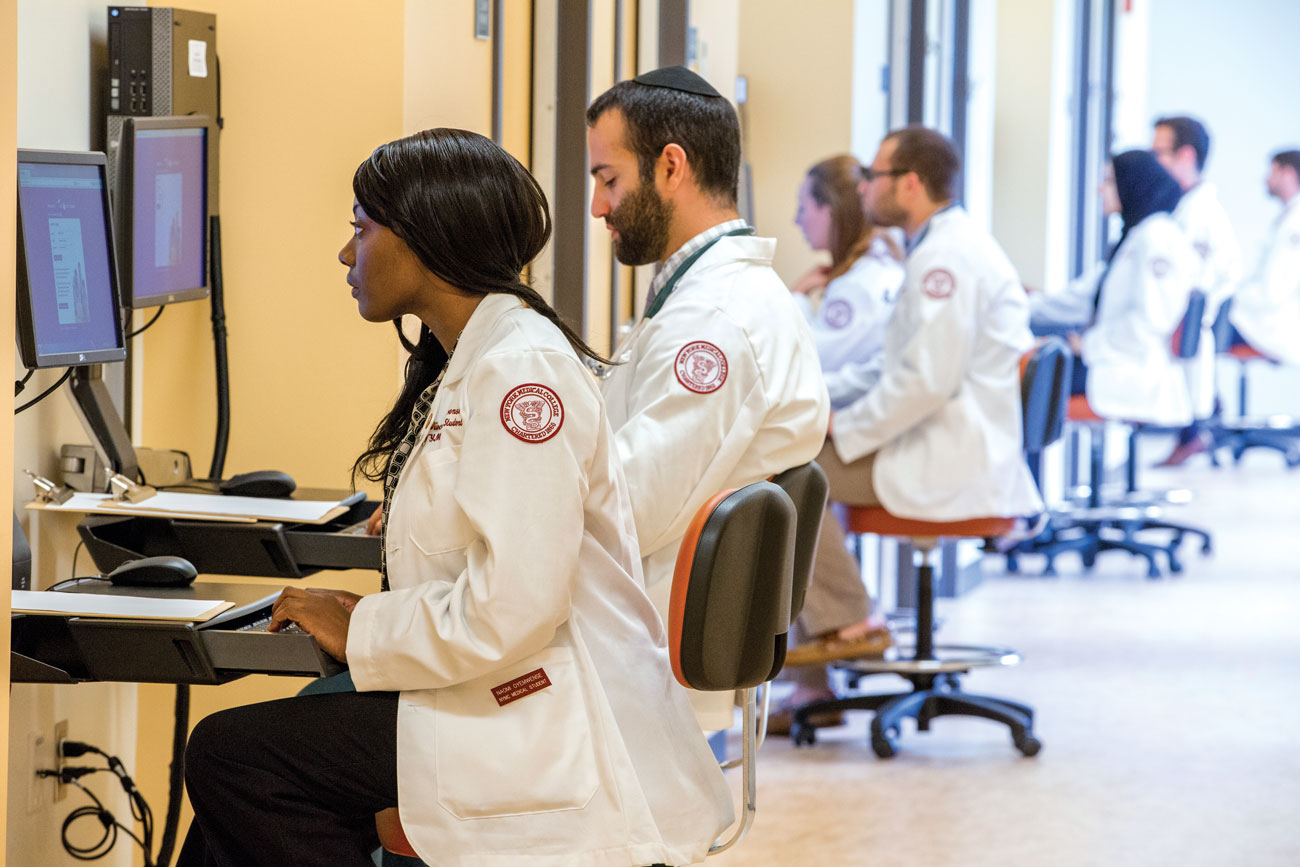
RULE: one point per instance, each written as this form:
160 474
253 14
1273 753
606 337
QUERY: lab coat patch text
1160 267
701 367
521 687
938 283
839 313
532 412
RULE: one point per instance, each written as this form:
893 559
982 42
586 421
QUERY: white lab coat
511 549
849 325
683 436
1209 229
1132 373
1266 308
944 418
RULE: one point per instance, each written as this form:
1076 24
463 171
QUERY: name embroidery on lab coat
839 314
938 283
520 687
1160 267
532 412
453 419
701 367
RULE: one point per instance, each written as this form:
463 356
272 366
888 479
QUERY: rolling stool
933 670
1099 525
1280 434
728 613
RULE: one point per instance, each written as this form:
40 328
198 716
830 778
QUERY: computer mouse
164 571
260 483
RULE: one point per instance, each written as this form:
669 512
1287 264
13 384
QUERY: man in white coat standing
718 385
939 436
1181 145
1266 309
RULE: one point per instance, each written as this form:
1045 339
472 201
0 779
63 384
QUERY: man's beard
641 220
886 212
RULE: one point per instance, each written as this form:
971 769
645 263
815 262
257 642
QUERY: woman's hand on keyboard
346 598
320 614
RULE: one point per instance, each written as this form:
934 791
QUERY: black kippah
677 78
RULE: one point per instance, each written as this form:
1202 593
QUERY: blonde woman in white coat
1142 297
861 282
514 699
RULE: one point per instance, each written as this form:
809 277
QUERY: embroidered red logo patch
701 367
938 283
839 313
1160 267
521 687
532 412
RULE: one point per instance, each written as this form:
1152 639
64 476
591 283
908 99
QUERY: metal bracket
49 492
123 488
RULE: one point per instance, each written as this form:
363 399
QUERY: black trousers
291 782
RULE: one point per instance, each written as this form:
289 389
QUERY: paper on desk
129 607
206 507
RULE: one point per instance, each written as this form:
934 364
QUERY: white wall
56 93
1234 66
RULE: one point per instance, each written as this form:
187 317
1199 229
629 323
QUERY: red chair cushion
1081 410
1245 352
875 520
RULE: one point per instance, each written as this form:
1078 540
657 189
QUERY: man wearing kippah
718 385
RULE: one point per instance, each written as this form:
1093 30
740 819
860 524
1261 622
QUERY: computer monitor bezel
28 346
124 200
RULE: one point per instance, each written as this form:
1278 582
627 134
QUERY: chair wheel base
883 747
802 735
1028 745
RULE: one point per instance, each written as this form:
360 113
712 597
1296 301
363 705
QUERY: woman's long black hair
475 218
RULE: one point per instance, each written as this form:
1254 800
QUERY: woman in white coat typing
1131 373
861 282
515 701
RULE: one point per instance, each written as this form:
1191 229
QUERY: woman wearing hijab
1129 371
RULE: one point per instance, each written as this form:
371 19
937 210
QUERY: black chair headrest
1189 332
1045 392
807 488
725 618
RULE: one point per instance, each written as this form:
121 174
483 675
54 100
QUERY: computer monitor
160 197
69 309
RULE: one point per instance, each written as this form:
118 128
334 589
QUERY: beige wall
1031 154
8 141
309 379
799 68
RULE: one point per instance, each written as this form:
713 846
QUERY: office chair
933 670
1099 523
1242 432
729 611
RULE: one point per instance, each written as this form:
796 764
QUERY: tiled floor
1169 712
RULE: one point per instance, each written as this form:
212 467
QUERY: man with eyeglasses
938 435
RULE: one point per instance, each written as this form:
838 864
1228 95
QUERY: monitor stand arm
98 415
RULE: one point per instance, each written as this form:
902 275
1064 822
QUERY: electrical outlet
60 735
40 754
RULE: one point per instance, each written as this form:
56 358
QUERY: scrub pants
836 596
296 781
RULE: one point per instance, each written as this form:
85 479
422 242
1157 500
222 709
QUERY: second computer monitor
161 204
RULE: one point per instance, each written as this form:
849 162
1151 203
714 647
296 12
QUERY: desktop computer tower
162 61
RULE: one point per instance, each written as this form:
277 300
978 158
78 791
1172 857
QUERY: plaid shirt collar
673 262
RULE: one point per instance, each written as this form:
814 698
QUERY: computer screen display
162 209
68 302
